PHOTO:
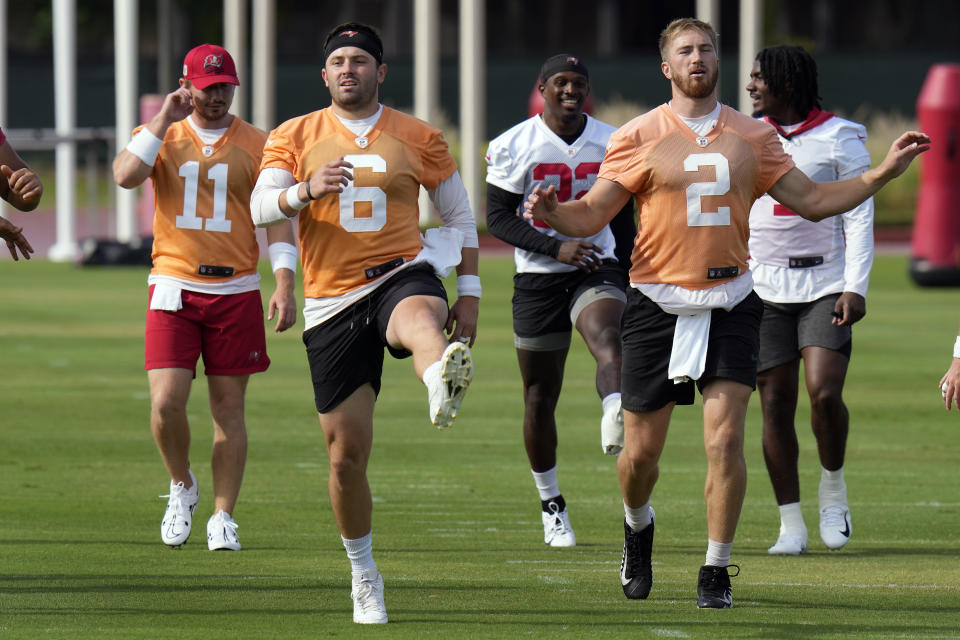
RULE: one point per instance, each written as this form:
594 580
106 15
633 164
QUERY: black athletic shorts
346 351
647 334
545 304
789 327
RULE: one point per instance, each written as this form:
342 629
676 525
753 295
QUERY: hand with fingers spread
13 236
582 255
902 152
540 203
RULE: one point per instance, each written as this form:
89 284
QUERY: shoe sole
712 606
778 552
554 542
456 374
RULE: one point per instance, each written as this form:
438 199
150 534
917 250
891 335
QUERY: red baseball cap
209 64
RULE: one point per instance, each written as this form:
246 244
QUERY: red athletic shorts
227 330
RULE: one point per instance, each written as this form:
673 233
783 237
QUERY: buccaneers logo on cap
213 63
572 60
349 34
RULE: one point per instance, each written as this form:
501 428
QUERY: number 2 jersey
693 193
530 154
836 253
376 218
202 205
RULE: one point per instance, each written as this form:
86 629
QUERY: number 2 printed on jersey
696 216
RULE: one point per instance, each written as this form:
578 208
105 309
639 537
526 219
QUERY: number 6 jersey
530 154
376 218
693 193
202 202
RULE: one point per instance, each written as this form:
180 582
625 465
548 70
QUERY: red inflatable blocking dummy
935 252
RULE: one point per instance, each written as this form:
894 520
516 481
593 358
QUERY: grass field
457 533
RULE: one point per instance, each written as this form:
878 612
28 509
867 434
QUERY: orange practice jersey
376 218
202 202
693 193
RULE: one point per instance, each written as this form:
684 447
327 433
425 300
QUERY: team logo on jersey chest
362 142
703 141
207 151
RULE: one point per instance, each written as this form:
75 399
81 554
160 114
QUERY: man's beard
354 98
699 89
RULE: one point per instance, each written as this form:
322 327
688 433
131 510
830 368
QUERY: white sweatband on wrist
956 348
283 255
469 286
293 198
145 146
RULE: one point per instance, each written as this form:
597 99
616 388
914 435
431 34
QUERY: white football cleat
611 430
447 389
367 594
556 527
222 532
789 545
175 527
835 526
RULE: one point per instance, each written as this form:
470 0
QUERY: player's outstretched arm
16 241
134 163
577 218
816 201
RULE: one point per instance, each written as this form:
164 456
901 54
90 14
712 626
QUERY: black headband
562 62
354 38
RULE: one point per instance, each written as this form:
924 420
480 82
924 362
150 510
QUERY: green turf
457 533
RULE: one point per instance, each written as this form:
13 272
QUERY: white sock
718 553
833 489
546 482
611 400
637 519
791 520
360 553
432 372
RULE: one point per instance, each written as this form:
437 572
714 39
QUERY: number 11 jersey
202 202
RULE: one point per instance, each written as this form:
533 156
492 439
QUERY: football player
204 296
695 167
561 282
352 173
812 278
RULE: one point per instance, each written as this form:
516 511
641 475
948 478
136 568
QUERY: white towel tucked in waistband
442 248
166 297
689 355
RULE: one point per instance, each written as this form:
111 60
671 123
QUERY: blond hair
680 25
